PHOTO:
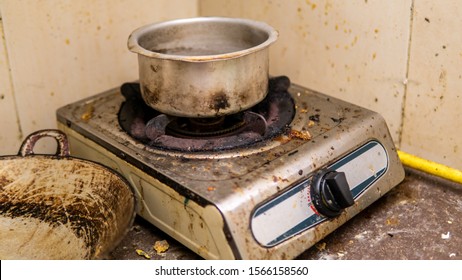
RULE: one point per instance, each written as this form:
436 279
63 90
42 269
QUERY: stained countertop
420 219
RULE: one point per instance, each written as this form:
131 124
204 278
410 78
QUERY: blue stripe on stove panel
307 223
315 219
356 191
354 155
283 197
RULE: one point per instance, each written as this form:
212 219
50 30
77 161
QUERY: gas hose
431 167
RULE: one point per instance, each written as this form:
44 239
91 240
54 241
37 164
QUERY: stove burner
214 127
202 127
268 119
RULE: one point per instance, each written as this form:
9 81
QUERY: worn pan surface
60 207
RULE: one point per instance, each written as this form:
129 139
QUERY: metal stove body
253 202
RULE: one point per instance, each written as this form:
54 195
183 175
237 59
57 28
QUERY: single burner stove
267 183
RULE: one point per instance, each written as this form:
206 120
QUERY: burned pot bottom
266 120
193 102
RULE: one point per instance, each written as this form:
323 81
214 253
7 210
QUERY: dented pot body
203 67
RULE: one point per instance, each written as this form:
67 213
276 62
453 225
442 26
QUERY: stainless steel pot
60 207
203 67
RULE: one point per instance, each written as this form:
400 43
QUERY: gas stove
266 183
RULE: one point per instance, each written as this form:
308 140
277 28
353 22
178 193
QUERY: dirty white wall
432 123
402 58
56 52
10 135
355 50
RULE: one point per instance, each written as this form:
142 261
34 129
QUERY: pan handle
27 147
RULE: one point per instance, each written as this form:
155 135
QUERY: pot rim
135 47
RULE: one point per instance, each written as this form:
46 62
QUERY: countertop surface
421 219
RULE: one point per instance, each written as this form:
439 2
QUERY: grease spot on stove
314 118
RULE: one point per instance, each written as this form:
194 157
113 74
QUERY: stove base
247 203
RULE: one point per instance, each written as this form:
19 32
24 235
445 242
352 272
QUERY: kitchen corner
338 141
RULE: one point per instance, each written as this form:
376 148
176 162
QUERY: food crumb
211 188
88 114
304 135
321 246
161 246
143 253
361 235
392 221
446 235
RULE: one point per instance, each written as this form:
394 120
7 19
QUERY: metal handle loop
27 147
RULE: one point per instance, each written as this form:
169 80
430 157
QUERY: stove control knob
330 193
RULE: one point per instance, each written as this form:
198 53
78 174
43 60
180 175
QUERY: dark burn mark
151 97
154 68
293 153
339 120
84 226
314 118
219 101
4 181
243 97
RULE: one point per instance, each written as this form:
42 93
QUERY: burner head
204 128
216 127
268 119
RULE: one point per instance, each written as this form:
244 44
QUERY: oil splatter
303 135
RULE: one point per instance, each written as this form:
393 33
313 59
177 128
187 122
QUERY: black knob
330 193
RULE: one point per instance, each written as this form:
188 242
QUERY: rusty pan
60 207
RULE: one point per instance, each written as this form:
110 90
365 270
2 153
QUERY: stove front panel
292 212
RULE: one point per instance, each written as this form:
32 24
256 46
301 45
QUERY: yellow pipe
431 167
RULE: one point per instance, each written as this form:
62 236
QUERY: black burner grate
268 119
